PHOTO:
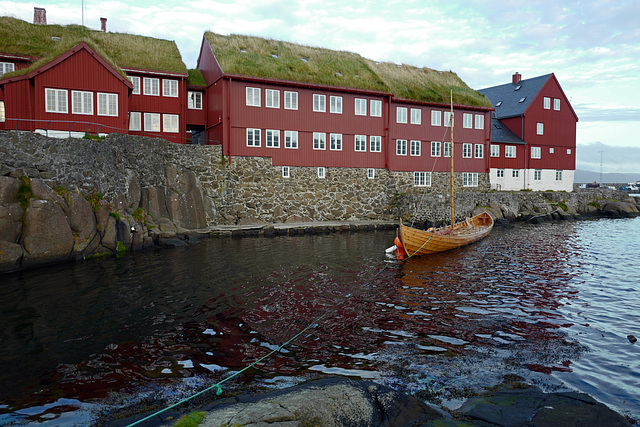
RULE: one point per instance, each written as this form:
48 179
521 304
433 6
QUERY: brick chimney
103 25
39 15
516 78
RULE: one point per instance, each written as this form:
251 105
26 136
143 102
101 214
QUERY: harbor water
555 304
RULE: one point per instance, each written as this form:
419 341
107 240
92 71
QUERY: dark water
552 303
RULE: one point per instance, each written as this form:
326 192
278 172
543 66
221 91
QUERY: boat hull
421 242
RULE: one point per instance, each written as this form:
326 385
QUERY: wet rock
10 256
83 224
46 236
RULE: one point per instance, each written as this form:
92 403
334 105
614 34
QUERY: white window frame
546 103
56 101
401 114
447 119
515 173
415 148
469 179
371 173
272 138
495 150
170 123
556 104
291 139
436 149
375 144
360 143
253 137
539 128
107 104
510 151
272 98
290 100
170 88
135 121
319 103
375 108
422 179
401 147
319 141
446 149
467 150
335 142
135 81
479 121
436 118
152 122
322 172
568 150
82 102
7 67
558 174
536 152
416 116
194 100
151 86
552 150
537 175
500 173
478 151
253 96
2 112
361 107
335 104
286 172
467 120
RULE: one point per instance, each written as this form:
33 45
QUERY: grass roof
121 50
196 78
267 58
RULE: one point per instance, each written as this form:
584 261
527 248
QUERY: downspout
526 152
227 107
386 131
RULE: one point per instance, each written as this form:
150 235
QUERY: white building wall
525 180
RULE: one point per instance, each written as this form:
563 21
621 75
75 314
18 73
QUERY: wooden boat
411 241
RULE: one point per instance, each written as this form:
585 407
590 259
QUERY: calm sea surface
552 303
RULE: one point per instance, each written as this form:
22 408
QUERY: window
416 116
135 80
319 141
290 100
253 137
422 179
361 107
286 172
375 144
376 108
558 175
479 121
537 174
6 67
556 104
401 147
135 121
401 115
319 103
108 104
447 118
194 100
56 101
415 148
272 138
271 98
467 150
515 173
510 151
371 173
470 179
547 103
467 120
446 149
151 86
152 122
335 104
335 141
322 172
568 150
2 112
81 102
495 150
436 148
536 152
436 118
170 123
552 150
170 88
500 173
291 139
479 151
361 143
540 128
253 96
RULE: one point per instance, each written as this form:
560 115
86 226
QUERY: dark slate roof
512 100
501 133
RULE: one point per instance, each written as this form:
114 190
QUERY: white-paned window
401 114
446 149
537 174
361 107
81 102
401 147
500 173
375 108
495 150
470 179
510 151
272 138
170 123
568 150
515 173
536 152
547 103
135 121
335 141
319 103
375 144
152 122
194 100
6 67
335 104
361 143
290 100
253 137
436 118
436 148
467 120
108 104
291 139
322 172
253 96
422 179
467 150
478 151
448 119
286 172
479 121
540 128
558 175
56 101
415 148
416 116
135 81
556 104
151 86
170 88
2 112
552 150
319 141
271 98
371 173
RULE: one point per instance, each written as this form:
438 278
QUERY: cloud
613 158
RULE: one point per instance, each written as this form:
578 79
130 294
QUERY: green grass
196 78
191 419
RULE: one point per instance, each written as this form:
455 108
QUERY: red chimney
103 24
516 78
39 15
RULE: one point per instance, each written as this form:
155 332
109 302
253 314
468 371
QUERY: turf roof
268 58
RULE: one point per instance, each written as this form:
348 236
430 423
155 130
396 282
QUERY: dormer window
518 87
499 104
522 99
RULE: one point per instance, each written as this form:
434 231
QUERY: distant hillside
583 177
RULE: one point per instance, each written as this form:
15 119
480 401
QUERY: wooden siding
503 162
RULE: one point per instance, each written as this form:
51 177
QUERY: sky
593 47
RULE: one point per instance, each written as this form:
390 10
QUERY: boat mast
451 152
